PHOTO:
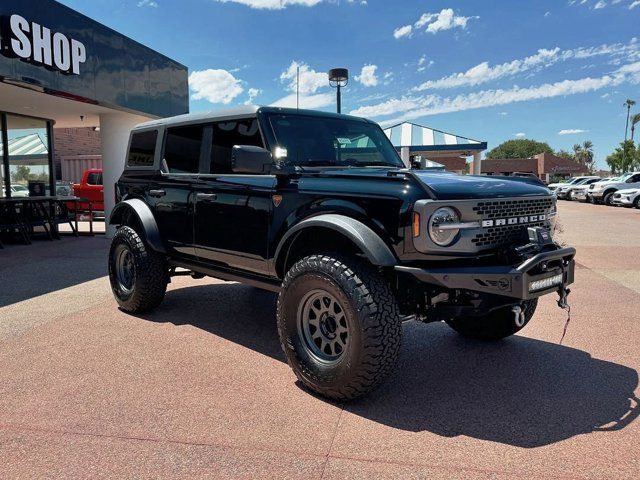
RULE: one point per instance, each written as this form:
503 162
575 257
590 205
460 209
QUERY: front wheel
495 325
608 199
339 325
138 274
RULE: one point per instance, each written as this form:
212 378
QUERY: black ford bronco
320 208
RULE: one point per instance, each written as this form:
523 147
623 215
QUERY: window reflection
29 171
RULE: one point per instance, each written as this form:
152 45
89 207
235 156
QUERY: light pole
338 78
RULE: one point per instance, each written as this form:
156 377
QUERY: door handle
205 197
157 193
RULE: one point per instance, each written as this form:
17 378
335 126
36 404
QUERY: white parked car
629 197
602 192
19 191
572 181
565 191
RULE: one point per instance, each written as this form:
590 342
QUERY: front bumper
580 195
562 194
508 281
622 200
596 193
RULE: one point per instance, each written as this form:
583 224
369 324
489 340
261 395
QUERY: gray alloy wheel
322 325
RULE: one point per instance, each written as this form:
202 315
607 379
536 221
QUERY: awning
427 140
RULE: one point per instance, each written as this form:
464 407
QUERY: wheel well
127 216
313 240
609 190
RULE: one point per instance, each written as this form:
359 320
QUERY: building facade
544 165
61 70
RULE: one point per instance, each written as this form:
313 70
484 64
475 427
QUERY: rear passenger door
232 211
171 192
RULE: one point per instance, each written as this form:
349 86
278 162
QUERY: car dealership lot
198 388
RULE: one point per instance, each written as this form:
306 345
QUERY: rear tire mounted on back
495 325
138 274
339 325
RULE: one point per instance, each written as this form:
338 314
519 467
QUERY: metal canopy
419 138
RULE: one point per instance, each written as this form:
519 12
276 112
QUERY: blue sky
555 70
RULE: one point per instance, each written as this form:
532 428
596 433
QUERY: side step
247 278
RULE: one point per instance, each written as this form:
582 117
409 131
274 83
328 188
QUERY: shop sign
34 42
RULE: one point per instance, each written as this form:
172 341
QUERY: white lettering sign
32 41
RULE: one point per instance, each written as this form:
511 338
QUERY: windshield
320 141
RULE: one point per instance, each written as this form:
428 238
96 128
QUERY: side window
93 178
228 134
142 149
635 179
182 149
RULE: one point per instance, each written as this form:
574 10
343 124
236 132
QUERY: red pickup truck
91 189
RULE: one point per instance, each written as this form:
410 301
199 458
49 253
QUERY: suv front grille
503 235
513 208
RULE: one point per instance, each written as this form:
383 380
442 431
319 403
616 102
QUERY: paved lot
199 387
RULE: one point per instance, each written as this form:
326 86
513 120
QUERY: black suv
320 208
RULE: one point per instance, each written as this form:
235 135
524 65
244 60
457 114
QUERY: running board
221 274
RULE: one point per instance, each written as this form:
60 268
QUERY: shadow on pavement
518 391
27 271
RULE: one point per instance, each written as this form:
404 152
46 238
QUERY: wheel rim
125 269
322 325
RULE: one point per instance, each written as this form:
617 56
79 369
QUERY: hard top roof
239 112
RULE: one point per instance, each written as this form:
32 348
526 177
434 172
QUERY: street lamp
338 78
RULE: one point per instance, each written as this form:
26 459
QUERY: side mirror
250 159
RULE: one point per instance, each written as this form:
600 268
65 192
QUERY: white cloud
520 134
368 76
571 131
634 4
147 3
599 5
446 19
253 93
547 14
484 72
273 4
215 86
504 114
404 31
411 107
319 100
310 80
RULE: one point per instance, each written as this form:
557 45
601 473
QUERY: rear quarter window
142 149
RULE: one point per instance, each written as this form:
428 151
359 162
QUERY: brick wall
69 142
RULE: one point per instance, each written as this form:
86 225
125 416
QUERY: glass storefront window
28 147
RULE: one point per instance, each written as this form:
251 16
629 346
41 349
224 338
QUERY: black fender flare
368 241
144 215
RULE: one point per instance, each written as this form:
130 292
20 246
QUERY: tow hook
518 316
563 293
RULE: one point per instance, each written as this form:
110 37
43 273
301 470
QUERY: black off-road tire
497 325
372 316
150 276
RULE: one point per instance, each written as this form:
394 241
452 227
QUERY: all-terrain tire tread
374 301
151 273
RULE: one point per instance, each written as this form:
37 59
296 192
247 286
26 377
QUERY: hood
450 186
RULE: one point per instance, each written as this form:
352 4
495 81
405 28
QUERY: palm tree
587 154
629 103
635 119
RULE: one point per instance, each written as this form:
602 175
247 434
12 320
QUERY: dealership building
62 73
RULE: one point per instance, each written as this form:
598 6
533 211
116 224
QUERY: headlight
441 230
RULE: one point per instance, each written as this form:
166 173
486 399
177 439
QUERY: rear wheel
636 202
138 274
339 325
495 325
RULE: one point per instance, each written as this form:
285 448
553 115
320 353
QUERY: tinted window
182 149
228 134
143 148
94 178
